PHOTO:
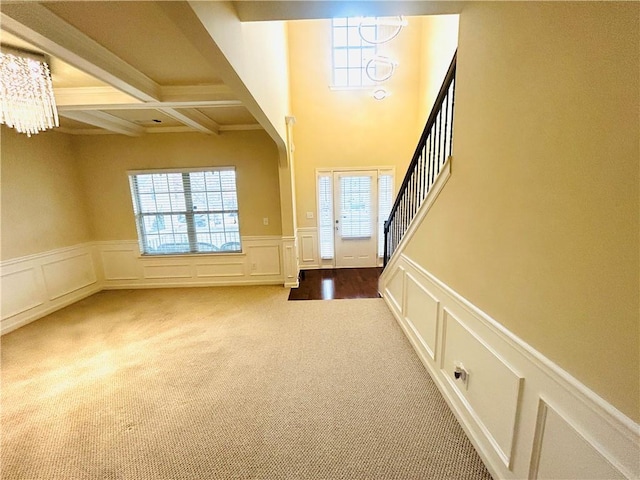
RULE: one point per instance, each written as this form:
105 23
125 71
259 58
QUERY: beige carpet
231 383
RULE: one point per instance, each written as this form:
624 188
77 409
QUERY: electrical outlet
265 221
461 374
309 215
254 267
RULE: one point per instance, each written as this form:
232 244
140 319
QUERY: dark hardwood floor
334 283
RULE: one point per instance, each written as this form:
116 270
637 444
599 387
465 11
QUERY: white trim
181 170
611 438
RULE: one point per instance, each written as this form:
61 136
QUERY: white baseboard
526 416
37 285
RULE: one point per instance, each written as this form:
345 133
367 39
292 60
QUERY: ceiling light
380 69
380 94
26 94
378 30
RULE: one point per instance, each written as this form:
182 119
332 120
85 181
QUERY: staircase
433 150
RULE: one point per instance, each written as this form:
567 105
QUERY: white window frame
329 260
362 50
194 233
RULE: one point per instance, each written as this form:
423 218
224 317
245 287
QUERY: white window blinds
186 211
325 215
385 202
355 207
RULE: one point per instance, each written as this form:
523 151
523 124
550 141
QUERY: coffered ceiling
125 67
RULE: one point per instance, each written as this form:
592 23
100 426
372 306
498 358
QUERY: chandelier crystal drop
26 95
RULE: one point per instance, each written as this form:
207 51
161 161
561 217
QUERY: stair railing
434 147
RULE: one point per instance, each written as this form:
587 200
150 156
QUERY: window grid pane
355 214
166 224
351 53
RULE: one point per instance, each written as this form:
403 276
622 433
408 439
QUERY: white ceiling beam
179 93
69 105
39 26
192 118
80 96
235 128
106 121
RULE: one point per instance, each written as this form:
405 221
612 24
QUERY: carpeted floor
232 383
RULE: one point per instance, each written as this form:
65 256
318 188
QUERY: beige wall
437 46
257 52
42 204
348 128
104 160
538 225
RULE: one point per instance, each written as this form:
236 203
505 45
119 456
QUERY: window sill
359 88
200 254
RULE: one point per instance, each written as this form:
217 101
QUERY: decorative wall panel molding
309 248
290 262
561 451
504 402
36 285
260 263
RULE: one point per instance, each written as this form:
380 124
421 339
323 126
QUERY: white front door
355 202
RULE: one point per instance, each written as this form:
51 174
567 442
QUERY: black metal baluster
433 149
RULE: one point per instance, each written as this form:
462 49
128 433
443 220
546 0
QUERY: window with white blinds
355 207
186 211
385 202
325 215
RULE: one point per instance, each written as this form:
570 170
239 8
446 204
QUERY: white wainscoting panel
395 289
167 270
221 269
120 264
36 285
260 263
290 262
492 390
265 260
309 248
421 313
504 407
68 274
20 292
561 451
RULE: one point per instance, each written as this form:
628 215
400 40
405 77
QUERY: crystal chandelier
26 94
